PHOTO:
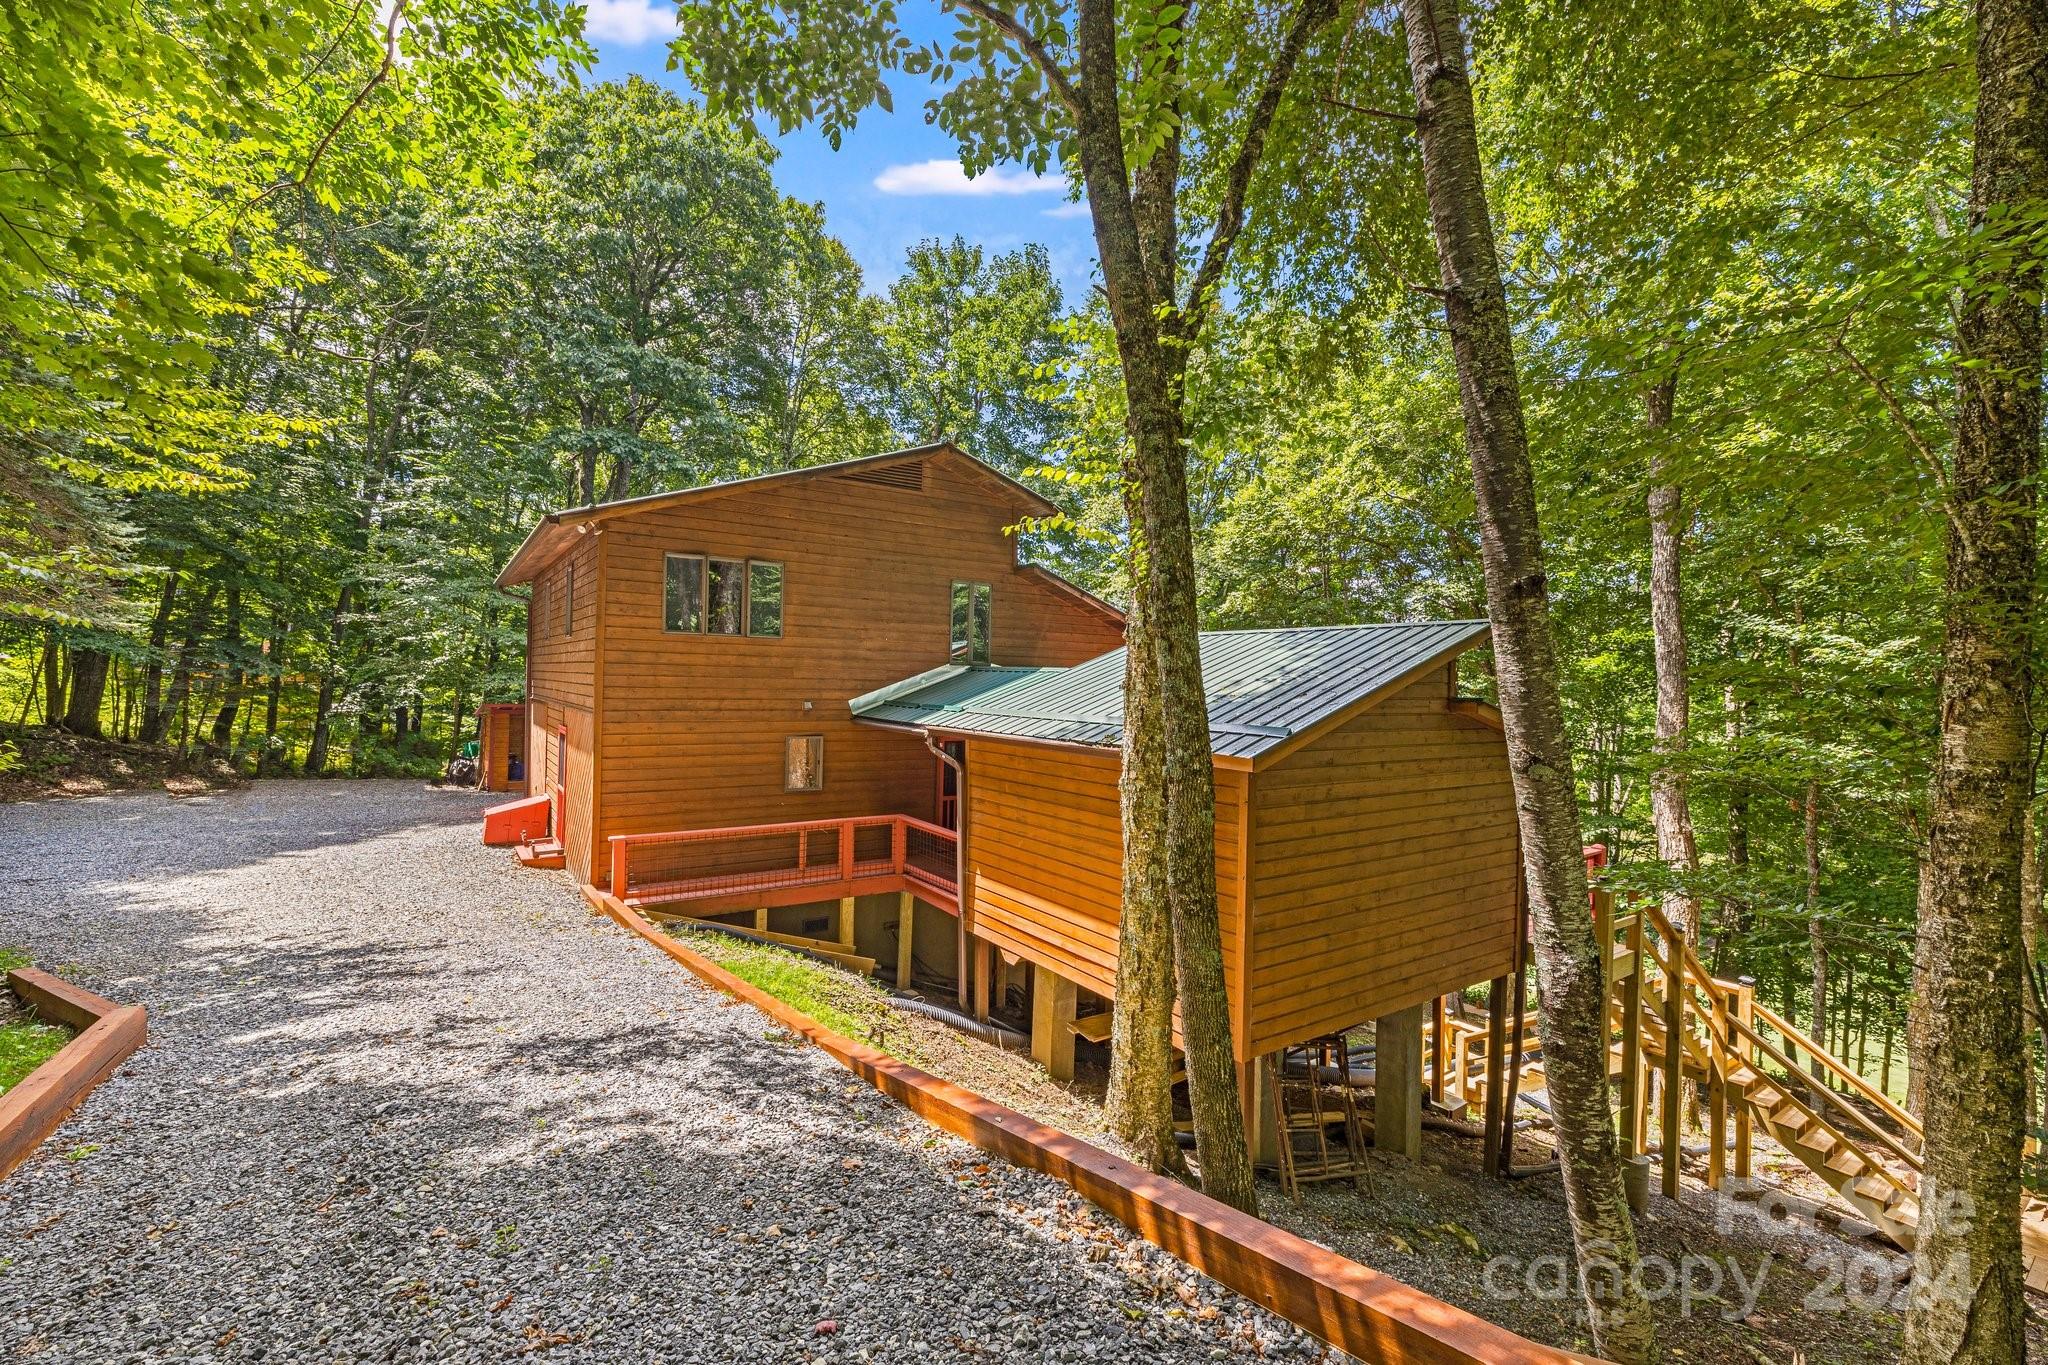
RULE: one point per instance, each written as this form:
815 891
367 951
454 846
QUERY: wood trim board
1352 1307
108 1035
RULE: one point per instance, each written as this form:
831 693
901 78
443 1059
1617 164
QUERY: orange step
544 853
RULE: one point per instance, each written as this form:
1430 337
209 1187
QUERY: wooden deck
745 867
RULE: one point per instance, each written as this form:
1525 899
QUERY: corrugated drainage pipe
967 1024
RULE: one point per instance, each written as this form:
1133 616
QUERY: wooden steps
542 853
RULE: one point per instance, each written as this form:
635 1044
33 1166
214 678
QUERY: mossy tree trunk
1968 1300
1569 975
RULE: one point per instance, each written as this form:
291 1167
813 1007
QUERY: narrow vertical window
569 599
764 599
803 763
683 593
972 618
725 597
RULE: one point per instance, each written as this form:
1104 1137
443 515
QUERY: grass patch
24 1044
841 1001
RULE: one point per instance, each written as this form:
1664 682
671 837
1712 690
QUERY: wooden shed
1367 857
501 745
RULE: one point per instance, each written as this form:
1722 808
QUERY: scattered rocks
405 1102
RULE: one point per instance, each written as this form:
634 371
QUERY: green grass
24 1046
841 1001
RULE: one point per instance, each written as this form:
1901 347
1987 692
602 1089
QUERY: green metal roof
1263 686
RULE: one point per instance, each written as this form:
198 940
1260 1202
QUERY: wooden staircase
1850 1134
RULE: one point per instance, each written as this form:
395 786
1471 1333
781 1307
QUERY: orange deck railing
746 866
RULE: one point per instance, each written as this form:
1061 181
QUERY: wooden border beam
109 1035
1352 1307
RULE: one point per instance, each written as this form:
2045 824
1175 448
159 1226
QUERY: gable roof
557 530
1265 687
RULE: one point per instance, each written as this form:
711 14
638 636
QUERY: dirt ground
38 763
1782 1274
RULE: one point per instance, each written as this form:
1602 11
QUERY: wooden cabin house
833 701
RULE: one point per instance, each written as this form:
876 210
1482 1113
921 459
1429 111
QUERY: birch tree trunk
1968 1300
1569 977
1140 1099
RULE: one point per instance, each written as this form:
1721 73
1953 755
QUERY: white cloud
632 22
1075 210
946 177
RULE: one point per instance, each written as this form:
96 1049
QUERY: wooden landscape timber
108 1034
1350 1306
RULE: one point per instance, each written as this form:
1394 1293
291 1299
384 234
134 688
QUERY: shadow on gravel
710 1190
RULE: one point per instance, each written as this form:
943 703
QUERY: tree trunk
1141 1030
1968 1299
1141 1040
1816 930
1569 975
1917 1027
272 761
1670 811
224 722
53 679
2030 942
323 707
88 691
181 673
1153 422
154 715
1734 926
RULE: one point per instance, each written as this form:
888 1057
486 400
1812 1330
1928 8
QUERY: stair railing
1713 1023
1789 1091
1802 1043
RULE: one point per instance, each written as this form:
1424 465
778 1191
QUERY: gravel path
404 1101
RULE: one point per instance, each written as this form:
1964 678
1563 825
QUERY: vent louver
908 475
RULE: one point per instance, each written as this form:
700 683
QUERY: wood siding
1384 867
562 668
691 728
1045 851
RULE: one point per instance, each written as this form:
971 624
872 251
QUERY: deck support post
906 920
1496 1141
1631 1011
844 926
1397 1083
984 968
1255 1095
1439 1052
760 919
1674 1057
1053 1001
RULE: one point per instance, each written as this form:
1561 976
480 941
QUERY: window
725 597
764 599
708 594
803 763
971 622
569 599
682 605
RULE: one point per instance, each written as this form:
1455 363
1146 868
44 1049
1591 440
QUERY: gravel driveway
404 1101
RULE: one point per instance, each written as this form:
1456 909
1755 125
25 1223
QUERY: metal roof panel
1263 686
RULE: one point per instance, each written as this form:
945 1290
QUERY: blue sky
894 179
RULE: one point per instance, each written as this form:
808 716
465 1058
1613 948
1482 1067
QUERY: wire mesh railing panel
930 856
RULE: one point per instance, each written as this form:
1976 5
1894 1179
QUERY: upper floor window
714 595
569 599
971 623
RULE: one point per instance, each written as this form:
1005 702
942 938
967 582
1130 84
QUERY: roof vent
907 475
